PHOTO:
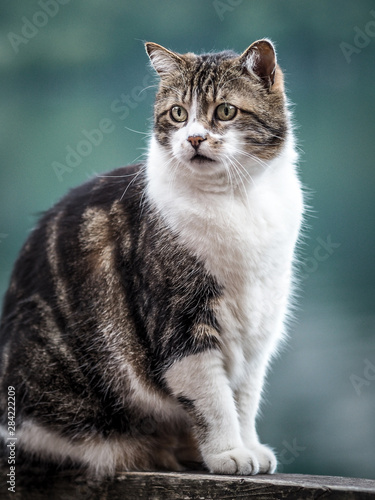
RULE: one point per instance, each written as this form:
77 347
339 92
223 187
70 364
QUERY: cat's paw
235 461
265 457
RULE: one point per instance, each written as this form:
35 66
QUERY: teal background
87 64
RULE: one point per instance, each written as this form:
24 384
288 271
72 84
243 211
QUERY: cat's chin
198 159
200 163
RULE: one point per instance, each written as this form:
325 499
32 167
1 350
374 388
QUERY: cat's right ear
163 60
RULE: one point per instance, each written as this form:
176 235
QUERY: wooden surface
44 485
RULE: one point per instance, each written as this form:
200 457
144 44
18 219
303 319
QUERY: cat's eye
179 114
225 111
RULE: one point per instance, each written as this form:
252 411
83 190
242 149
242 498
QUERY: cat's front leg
200 383
248 399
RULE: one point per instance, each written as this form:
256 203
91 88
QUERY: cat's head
220 112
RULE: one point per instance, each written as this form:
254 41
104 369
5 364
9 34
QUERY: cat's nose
195 141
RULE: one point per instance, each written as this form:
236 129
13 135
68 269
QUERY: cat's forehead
209 76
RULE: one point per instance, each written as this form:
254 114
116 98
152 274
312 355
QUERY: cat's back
75 232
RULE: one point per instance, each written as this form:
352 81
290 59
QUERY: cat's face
220 112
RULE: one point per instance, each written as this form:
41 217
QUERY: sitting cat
145 306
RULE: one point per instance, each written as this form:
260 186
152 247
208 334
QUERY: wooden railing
44 485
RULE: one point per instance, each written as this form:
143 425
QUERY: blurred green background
67 66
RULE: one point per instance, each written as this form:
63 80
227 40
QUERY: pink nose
195 140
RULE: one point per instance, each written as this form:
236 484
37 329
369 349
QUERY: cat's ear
163 60
260 59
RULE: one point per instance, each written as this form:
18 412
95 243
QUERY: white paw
235 461
265 458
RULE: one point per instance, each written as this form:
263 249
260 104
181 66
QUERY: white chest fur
246 241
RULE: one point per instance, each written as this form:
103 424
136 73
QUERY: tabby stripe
202 78
184 94
265 125
269 142
162 114
208 81
192 84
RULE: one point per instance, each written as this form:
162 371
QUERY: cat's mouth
197 158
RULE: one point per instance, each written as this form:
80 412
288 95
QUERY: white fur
202 378
244 229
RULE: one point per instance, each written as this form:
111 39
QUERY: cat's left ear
260 59
163 60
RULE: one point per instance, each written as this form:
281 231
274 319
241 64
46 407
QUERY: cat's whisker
232 173
254 159
117 176
260 162
227 163
141 170
240 171
169 87
244 172
149 87
149 134
139 157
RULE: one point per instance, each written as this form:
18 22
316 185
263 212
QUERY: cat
145 307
